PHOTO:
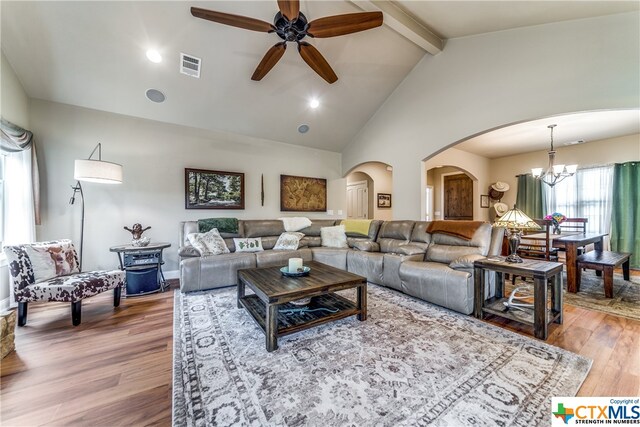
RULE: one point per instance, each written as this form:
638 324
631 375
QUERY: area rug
625 301
410 363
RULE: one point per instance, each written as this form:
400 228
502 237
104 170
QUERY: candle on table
295 264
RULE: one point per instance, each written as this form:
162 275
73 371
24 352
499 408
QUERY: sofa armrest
188 251
366 246
465 261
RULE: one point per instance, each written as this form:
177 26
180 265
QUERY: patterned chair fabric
73 287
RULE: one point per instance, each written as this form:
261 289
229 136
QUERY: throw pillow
295 223
44 267
209 243
333 237
63 254
289 240
253 244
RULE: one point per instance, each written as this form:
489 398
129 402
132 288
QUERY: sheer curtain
587 194
20 192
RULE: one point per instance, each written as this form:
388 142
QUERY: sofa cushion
409 249
334 237
439 284
465 261
367 264
209 243
281 258
262 228
419 235
391 270
331 256
311 241
316 226
72 288
398 230
197 274
445 248
188 251
289 240
253 244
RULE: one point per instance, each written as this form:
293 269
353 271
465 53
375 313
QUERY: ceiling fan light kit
291 25
554 173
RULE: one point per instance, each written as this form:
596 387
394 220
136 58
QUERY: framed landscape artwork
302 194
384 200
205 189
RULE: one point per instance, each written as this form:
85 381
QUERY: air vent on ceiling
190 65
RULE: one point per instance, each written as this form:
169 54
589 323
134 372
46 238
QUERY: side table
541 272
143 265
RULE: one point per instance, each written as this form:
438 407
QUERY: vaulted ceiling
92 54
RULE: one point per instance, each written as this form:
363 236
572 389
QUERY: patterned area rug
625 301
411 363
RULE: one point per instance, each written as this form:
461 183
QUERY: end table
143 265
541 272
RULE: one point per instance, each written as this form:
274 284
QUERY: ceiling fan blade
316 61
289 8
270 59
339 25
233 20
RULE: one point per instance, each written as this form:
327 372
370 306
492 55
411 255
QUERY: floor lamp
92 170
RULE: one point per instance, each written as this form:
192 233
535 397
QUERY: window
587 194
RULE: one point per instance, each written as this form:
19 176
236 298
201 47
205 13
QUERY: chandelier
554 173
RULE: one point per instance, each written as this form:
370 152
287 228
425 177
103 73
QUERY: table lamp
515 221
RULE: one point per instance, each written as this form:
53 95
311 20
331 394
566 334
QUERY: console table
541 272
143 265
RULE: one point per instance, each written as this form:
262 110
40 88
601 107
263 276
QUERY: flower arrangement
556 218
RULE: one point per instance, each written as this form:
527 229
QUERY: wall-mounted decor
205 189
384 200
302 194
484 200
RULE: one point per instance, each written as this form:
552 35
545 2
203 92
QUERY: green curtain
530 198
625 212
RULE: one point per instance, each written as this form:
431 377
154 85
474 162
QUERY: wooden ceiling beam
404 24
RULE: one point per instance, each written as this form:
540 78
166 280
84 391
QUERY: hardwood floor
115 368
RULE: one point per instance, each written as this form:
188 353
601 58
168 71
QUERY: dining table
570 244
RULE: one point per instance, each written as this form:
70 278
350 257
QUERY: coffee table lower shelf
290 323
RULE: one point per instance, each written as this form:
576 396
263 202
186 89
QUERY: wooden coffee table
270 304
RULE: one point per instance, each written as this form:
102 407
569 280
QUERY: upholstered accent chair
48 271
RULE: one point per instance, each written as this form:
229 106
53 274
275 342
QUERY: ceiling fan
292 26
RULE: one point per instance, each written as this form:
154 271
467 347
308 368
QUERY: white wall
606 151
14 103
482 82
154 156
382 183
14 107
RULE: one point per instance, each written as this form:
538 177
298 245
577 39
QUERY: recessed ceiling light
303 128
155 95
154 56
314 103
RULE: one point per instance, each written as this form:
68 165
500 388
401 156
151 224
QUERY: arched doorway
373 180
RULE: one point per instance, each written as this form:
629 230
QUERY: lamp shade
516 219
97 171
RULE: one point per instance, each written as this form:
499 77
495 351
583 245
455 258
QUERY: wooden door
458 197
357 201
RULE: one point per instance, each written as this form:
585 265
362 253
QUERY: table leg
625 269
556 301
608 281
500 284
572 270
361 302
478 282
272 327
240 292
540 307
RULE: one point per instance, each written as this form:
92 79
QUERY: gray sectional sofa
402 255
